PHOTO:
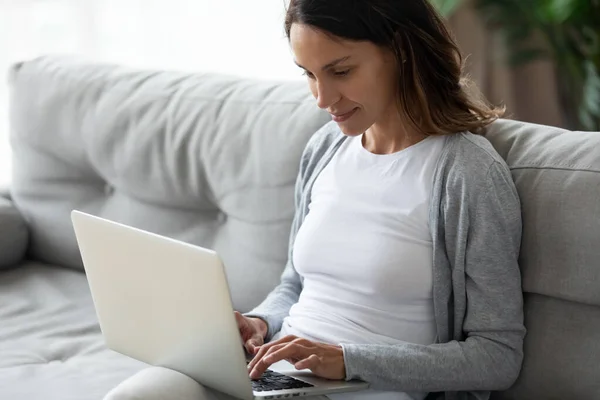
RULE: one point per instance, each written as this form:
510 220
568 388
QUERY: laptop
167 303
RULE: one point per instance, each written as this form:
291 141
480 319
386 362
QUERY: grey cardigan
475 222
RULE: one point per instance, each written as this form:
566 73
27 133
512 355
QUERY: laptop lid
163 302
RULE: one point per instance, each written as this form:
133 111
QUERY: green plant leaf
446 7
590 105
555 11
570 34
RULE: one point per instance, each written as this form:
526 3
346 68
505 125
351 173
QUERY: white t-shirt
365 252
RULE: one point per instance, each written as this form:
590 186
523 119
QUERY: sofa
211 160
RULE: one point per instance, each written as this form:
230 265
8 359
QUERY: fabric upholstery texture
557 175
14 234
561 351
210 160
50 342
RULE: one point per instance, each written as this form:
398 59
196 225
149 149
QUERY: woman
402 266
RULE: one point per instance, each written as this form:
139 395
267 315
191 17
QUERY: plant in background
446 7
565 31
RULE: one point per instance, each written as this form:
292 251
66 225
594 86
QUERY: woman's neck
390 137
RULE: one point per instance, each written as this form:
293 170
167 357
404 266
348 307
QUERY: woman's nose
326 95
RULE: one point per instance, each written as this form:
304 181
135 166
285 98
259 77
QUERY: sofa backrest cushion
204 158
557 175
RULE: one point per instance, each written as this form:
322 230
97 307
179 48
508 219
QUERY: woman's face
354 81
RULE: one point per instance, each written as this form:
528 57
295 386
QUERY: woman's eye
342 73
309 74
338 74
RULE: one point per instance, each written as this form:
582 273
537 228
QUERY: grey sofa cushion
51 347
13 234
557 174
561 351
207 159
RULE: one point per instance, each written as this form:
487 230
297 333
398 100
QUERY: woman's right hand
253 332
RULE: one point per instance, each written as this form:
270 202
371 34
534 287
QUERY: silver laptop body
167 303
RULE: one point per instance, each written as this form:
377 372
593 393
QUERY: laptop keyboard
272 380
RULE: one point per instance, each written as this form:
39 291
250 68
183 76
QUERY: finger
239 318
253 344
292 351
288 351
257 341
265 347
250 346
312 362
263 352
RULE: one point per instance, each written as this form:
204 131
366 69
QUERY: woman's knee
157 383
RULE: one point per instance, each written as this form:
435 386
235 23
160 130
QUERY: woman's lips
343 117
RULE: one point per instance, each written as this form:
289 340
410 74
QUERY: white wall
241 37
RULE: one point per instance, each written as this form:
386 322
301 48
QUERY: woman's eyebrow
331 64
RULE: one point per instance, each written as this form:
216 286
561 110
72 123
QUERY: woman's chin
350 129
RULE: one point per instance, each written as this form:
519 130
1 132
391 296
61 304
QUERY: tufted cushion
557 174
204 158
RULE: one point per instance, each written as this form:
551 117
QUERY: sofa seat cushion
51 346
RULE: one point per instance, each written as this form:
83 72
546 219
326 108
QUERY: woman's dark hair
434 95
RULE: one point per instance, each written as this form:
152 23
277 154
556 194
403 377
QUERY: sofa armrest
4 192
14 234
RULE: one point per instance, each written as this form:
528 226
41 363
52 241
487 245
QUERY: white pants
157 383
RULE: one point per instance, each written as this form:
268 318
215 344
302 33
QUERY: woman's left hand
324 360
